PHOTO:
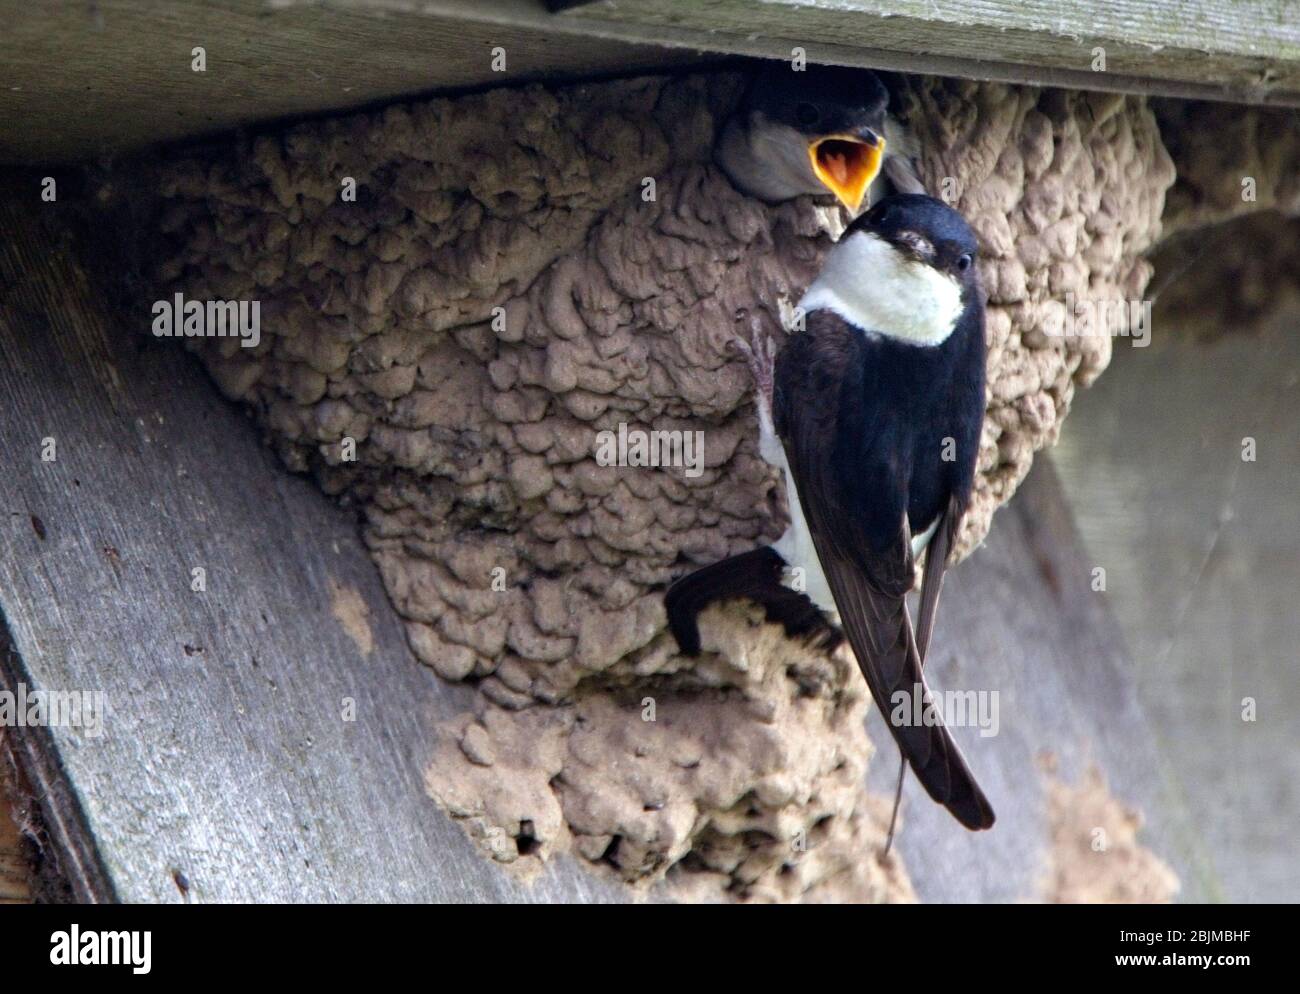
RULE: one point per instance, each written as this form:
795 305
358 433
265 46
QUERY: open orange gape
847 164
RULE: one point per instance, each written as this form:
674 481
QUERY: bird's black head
836 114
905 270
821 100
926 230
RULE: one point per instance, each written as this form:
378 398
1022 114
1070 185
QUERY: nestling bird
813 131
873 412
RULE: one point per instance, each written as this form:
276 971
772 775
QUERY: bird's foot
760 355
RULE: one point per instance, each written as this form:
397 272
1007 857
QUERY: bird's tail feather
879 629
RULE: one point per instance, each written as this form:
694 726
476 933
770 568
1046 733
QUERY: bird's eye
963 261
807 114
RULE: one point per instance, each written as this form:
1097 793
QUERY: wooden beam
1200 550
1245 51
89 80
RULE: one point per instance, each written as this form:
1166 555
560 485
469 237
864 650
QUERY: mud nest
524 268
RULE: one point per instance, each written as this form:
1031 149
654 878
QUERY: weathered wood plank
1242 50
1202 560
15 880
225 770
84 81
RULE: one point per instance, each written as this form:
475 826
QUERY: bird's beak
846 164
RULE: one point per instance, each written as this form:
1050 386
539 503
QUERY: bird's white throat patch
877 288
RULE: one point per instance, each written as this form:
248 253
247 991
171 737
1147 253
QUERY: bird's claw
760 355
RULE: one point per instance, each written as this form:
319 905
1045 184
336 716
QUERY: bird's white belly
804 570
796 547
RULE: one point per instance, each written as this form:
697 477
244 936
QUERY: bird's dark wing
868 582
936 564
755 576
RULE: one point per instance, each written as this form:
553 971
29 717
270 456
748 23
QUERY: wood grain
226 770
1202 558
1241 50
15 870
93 80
